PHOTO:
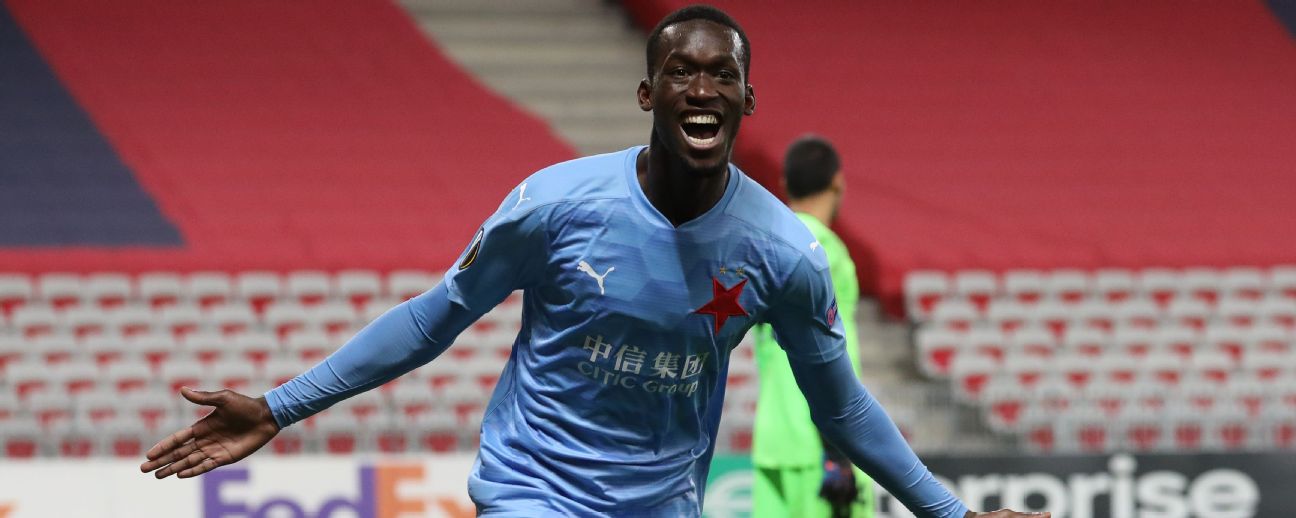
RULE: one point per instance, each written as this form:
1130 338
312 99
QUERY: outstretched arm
852 420
807 326
507 253
408 335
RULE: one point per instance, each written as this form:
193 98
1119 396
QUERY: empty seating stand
1143 360
95 372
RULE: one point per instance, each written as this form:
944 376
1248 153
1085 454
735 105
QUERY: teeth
701 119
700 141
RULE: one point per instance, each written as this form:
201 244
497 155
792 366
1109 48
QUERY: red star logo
724 303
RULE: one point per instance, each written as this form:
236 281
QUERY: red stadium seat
233 373
180 319
1282 280
413 400
358 286
9 407
76 378
15 290
1203 284
12 350
337 318
924 290
1007 314
176 374
108 350
84 321
131 320
209 289
22 439
231 318
986 341
1067 286
338 433
1113 285
108 290
28 378
97 407
310 346
34 319
406 284
50 408
308 287
258 288
976 286
954 313
255 346
152 409
128 377
438 432
1144 435
285 318
1189 312
124 438
970 374
76 439
1023 287
59 290
160 289
55 349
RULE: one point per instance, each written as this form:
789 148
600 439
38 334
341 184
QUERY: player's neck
821 206
675 192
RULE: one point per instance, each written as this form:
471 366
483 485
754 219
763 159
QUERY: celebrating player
641 270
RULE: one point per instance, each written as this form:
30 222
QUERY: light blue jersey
611 398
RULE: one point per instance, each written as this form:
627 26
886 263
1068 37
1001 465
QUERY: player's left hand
1005 513
237 427
838 486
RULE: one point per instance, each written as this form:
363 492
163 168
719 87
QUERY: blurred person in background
797 473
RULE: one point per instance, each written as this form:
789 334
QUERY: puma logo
521 195
589 270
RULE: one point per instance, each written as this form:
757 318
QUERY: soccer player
796 474
640 271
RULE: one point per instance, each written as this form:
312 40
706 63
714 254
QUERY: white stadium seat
308 287
1024 286
107 290
358 286
405 284
1114 285
59 289
923 291
160 289
209 288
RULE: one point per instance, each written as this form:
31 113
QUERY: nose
701 88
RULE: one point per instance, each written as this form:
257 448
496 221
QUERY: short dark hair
809 166
698 12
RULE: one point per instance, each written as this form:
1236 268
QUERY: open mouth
701 130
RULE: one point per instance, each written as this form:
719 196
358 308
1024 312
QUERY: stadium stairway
575 63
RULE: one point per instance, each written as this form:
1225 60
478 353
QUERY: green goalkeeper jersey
783 435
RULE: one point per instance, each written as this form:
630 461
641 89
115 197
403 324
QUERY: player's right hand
237 427
1005 513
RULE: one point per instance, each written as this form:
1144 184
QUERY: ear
645 95
839 182
749 101
783 187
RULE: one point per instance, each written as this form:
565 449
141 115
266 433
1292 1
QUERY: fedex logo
225 495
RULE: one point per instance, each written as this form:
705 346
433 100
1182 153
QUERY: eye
678 72
727 75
